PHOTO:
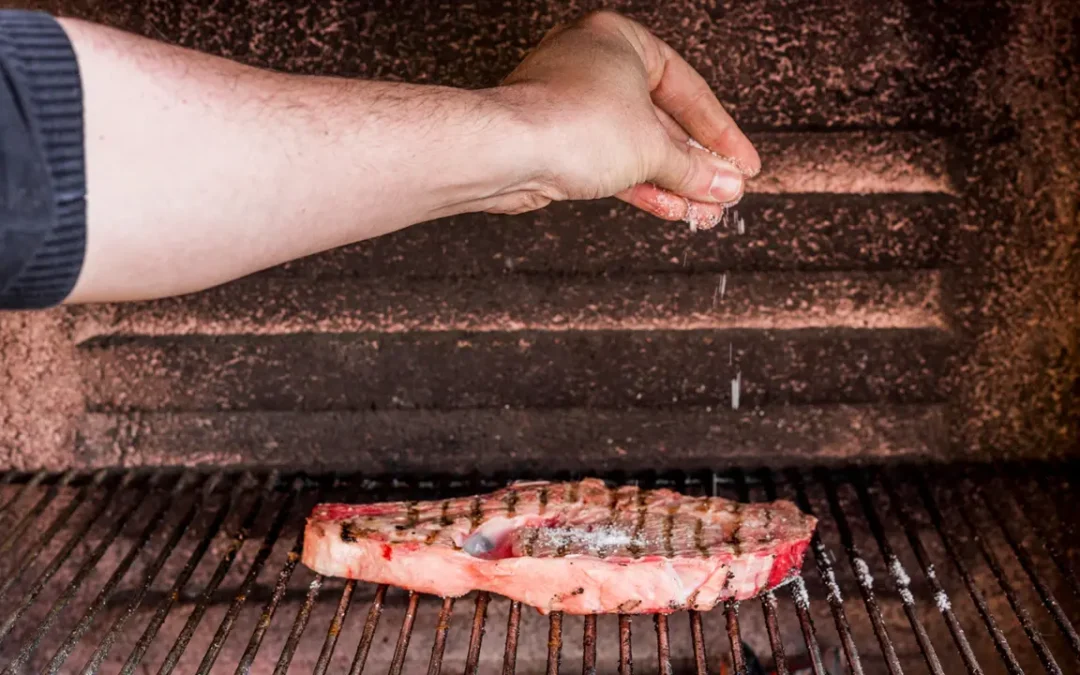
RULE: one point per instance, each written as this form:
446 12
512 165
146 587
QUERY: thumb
698 174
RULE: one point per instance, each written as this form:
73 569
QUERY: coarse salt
730 160
899 573
942 601
670 205
834 596
866 580
799 593
595 539
701 218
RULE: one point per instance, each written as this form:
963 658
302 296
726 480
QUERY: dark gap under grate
937 569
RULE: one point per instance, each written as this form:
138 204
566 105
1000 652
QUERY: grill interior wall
904 286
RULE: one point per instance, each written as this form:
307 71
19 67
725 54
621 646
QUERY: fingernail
726 186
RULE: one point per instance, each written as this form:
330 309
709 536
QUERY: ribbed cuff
41 68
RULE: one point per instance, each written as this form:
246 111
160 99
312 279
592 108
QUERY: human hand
615 109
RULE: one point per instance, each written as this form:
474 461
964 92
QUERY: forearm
201 170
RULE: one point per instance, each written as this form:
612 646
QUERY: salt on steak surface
578 547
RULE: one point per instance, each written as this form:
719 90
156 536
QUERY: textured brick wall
896 292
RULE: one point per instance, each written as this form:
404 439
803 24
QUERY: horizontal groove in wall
900 300
811 232
446 371
511 440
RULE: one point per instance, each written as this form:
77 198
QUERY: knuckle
601 18
685 170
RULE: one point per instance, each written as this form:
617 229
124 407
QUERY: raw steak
580 548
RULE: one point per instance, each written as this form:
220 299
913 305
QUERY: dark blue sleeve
42 167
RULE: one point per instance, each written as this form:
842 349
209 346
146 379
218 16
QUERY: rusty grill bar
978 566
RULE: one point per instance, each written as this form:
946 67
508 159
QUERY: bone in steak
578 547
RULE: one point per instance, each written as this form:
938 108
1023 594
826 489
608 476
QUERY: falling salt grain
736 384
701 219
866 580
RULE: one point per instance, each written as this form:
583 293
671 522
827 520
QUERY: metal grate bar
334 630
772 625
899 575
13 574
1063 502
298 626
863 576
941 598
405 635
368 635
1000 643
441 629
554 655
96 519
828 577
626 652
27 487
5 479
697 637
270 608
738 656
181 580
224 565
768 600
102 598
663 645
513 625
588 646
261 556
476 637
1026 622
98 657
1021 553
84 571
1064 564
15 533
992 561
799 595
59 559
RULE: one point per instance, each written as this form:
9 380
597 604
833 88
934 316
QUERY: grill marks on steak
579 547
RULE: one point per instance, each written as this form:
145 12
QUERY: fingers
656 201
697 174
668 206
705 177
680 91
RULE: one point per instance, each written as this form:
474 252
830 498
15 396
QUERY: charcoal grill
892 314
167 571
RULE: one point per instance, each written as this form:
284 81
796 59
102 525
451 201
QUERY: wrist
526 148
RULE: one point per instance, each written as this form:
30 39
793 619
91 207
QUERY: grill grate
958 568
